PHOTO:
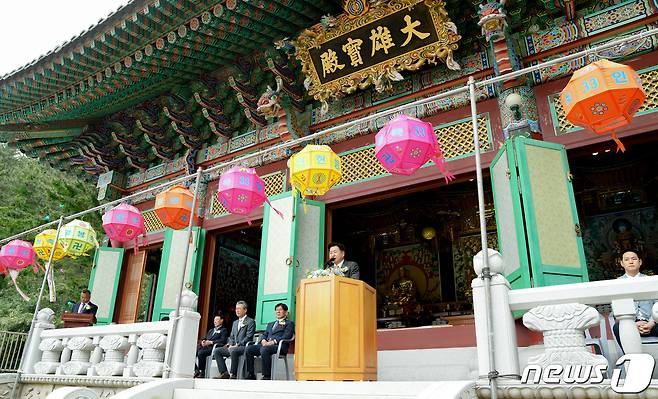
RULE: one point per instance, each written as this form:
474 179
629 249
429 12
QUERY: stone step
240 389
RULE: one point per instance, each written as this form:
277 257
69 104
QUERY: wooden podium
336 336
72 320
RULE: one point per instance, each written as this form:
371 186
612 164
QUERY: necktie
82 305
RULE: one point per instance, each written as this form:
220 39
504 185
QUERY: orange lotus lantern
603 96
174 207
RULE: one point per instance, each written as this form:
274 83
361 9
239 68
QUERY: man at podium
85 306
338 263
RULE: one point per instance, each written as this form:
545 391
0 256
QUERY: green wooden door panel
555 247
509 217
104 282
171 268
276 270
290 247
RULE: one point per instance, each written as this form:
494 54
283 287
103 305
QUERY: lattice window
456 139
152 221
275 183
360 165
649 82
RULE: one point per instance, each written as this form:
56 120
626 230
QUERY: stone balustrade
116 350
560 312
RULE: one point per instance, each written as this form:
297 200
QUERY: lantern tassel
14 274
278 212
440 162
620 145
52 293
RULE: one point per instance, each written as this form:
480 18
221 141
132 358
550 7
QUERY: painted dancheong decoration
241 191
78 238
603 96
405 144
14 257
124 223
174 207
314 170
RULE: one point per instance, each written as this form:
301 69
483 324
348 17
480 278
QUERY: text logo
639 369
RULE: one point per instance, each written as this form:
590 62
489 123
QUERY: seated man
631 263
281 328
85 305
242 332
218 335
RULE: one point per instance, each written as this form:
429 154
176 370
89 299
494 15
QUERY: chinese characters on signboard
389 37
401 35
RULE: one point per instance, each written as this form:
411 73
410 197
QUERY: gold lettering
410 30
381 39
330 62
353 49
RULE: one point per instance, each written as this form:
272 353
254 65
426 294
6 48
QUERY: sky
31 28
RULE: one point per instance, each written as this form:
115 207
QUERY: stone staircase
240 389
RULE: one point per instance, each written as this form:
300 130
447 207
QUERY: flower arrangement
332 271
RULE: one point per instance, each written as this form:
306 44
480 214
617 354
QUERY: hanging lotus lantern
124 223
43 245
78 238
603 96
14 257
314 170
405 144
241 191
174 207
17 255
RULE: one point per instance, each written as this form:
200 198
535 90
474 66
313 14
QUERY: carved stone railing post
51 351
131 358
79 363
114 346
96 355
563 327
66 355
153 352
184 343
504 330
33 351
624 311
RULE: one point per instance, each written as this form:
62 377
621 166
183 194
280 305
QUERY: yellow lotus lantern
314 170
43 245
78 238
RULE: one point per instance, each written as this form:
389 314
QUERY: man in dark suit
278 330
242 332
85 305
337 261
218 335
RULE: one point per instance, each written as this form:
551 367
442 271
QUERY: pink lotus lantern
241 190
16 256
405 144
124 223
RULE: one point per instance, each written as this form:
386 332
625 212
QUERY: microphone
330 262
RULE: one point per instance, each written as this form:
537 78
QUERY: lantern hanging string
366 119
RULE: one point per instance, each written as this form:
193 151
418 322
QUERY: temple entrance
235 271
138 285
616 195
416 250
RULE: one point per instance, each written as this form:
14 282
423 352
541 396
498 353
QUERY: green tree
32 193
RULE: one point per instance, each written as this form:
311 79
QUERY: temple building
161 88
